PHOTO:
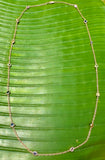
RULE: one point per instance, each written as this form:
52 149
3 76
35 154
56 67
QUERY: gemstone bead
97 94
13 41
85 21
75 6
12 125
51 2
91 125
9 65
96 66
72 149
17 20
28 7
8 93
35 153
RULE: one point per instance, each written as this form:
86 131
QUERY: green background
52 80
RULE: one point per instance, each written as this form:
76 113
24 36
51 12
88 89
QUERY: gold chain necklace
8 82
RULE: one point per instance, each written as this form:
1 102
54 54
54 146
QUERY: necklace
12 125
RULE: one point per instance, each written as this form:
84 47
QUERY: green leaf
52 80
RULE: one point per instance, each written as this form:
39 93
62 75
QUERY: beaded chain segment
12 125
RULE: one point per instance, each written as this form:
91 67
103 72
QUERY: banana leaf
52 79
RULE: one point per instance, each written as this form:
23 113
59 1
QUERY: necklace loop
12 125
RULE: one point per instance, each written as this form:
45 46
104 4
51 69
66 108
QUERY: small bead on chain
85 21
13 41
17 20
91 125
27 7
72 149
12 125
51 2
96 66
35 153
97 94
9 65
8 92
91 42
75 6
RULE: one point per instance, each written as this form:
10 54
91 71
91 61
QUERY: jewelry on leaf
12 125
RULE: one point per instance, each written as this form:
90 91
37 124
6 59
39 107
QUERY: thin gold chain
96 69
